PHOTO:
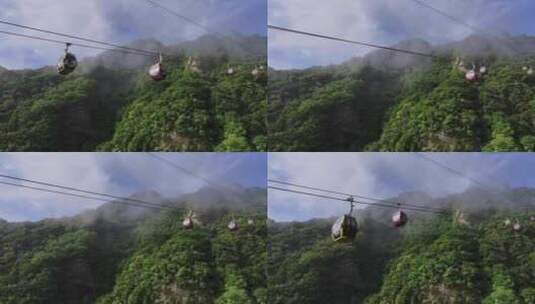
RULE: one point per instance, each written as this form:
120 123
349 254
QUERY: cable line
278 28
349 201
182 169
78 195
138 201
456 172
72 43
199 25
444 14
467 25
185 18
78 38
397 204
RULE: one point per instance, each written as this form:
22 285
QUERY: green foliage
415 109
432 260
488 263
122 110
150 259
343 113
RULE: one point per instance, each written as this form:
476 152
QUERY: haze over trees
474 254
388 101
123 254
110 104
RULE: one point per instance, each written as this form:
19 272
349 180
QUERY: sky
385 175
382 22
120 174
118 21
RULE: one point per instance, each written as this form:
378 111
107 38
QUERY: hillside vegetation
392 102
435 259
110 104
118 255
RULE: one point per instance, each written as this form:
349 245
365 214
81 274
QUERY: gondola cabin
471 75
344 229
233 226
157 72
187 223
399 219
67 63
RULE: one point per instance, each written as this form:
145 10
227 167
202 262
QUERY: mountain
473 254
110 104
386 101
109 256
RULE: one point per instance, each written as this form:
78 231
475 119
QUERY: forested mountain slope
390 102
474 254
110 103
119 254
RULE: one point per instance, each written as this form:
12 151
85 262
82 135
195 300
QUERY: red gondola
233 225
399 219
471 75
157 71
187 223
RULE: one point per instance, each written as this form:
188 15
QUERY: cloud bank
120 174
385 175
117 21
384 22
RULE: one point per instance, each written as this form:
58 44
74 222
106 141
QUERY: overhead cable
350 201
284 29
138 201
393 202
147 52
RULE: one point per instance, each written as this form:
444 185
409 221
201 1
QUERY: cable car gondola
233 225
68 62
399 219
345 228
187 223
471 75
157 71
255 72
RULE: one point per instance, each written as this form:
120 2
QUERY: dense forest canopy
387 101
110 104
473 254
120 254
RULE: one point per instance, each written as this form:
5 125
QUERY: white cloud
120 174
381 21
379 175
117 21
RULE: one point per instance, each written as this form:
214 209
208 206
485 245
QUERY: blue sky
385 175
118 21
120 174
383 22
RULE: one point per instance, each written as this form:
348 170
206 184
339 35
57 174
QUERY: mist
405 177
387 22
122 175
119 22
